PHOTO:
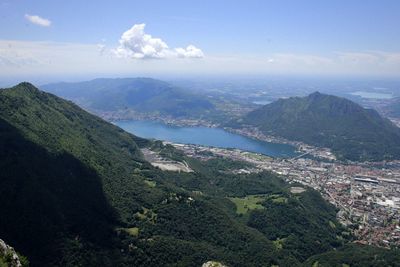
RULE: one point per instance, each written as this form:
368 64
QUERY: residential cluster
303 149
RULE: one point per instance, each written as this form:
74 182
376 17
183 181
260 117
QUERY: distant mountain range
142 95
76 191
351 131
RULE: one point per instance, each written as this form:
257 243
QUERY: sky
77 39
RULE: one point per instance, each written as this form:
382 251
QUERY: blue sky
263 37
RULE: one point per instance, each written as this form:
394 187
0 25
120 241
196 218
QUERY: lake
205 136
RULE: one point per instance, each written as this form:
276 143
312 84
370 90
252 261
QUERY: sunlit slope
351 131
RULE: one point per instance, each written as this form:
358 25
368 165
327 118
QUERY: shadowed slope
47 198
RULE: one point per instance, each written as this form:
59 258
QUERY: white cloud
189 52
136 44
38 20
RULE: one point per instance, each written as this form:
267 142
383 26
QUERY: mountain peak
27 85
25 88
351 131
316 95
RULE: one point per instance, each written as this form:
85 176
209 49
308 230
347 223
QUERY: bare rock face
8 255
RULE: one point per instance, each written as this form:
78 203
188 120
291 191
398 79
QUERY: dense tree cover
303 224
75 191
351 131
138 94
356 256
46 198
61 127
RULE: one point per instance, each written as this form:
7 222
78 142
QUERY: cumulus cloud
38 20
190 52
136 44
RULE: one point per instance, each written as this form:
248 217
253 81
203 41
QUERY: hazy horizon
49 41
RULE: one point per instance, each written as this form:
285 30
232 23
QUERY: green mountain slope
75 191
142 95
69 179
356 256
57 160
351 131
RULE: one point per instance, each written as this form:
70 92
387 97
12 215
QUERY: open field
244 204
150 183
133 231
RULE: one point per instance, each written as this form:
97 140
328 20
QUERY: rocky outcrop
8 256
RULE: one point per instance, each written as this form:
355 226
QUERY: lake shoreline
252 133
207 136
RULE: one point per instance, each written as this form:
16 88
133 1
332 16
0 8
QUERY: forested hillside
76 191
351 131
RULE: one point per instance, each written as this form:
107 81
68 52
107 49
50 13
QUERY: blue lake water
204 136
